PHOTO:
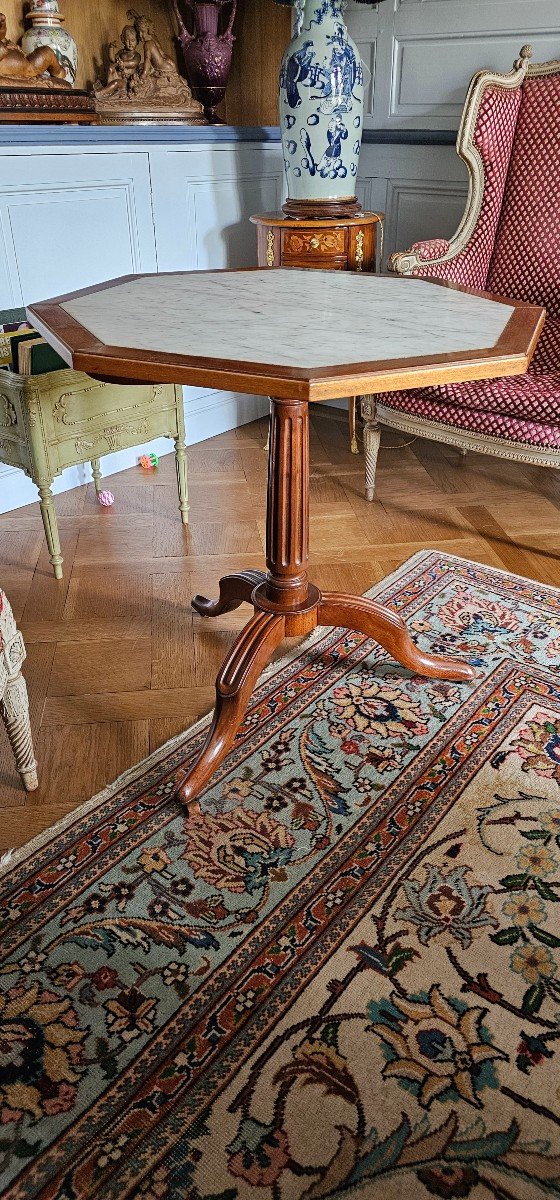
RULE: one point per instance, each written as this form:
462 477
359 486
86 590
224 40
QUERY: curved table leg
234 590
376 621
248 656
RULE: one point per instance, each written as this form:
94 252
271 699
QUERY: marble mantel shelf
17 136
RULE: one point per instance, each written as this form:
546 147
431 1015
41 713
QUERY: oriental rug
339 977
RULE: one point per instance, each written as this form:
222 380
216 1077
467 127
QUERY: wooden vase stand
307 210
286 604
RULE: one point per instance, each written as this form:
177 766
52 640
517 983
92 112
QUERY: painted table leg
97 476
352 413
50 525
181 469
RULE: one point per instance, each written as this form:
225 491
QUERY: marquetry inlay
332 242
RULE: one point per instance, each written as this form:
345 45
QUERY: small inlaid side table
343 244
294 336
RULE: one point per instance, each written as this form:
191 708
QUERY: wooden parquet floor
117 661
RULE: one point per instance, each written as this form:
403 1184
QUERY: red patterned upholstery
514 251
493 138
436 248
526 259
512 429
522 408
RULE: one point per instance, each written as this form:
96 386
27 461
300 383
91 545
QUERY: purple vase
206 51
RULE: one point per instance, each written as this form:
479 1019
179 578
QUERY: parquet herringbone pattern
118 662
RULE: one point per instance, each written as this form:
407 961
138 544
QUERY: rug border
11 859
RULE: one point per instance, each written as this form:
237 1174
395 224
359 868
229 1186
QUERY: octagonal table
297 336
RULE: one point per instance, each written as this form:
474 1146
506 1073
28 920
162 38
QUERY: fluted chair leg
14 708
372 441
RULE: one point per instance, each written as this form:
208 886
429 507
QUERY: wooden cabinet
346 244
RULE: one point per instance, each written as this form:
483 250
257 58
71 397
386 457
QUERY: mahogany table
297 336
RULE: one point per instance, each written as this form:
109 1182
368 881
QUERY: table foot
250 653
378 622
234 590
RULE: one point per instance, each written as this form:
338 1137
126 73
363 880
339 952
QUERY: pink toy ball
106 499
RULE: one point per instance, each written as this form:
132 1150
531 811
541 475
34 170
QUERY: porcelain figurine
46 30
38 69
208 51
321 113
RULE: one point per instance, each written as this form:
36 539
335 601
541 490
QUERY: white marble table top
289 318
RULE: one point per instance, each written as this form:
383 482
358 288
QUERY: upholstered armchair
508 244
14 707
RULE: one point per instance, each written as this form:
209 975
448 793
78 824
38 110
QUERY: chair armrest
421 258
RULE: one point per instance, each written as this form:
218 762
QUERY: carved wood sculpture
142 83
41 66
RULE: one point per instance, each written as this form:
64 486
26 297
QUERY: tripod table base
255 645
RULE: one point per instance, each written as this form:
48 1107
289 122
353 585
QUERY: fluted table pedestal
286 603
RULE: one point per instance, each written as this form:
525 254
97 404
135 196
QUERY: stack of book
22 350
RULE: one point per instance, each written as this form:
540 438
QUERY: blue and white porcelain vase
46 30
321 113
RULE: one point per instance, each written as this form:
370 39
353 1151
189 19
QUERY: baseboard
205 415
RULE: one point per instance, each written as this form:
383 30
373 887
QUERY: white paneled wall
422 53
67 220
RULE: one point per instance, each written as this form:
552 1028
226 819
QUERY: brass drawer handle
314 243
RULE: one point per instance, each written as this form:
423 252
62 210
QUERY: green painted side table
64 418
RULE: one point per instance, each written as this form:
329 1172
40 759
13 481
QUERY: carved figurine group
141 78
142 83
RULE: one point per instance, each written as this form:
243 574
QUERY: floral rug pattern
339 976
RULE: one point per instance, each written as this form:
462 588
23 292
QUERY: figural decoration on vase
46 30
207 49
321 113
